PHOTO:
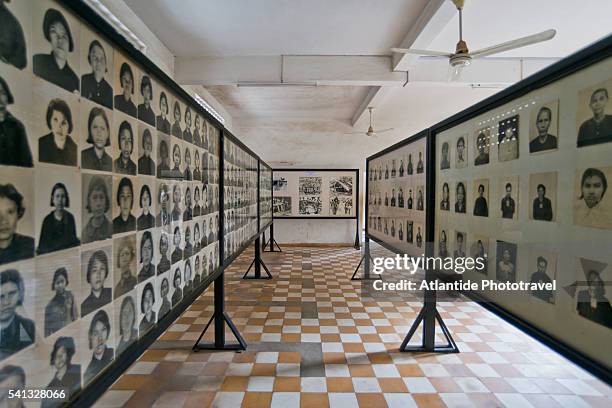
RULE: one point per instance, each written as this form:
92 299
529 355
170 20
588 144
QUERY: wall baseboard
317 245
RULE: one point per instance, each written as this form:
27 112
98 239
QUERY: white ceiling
306 124
276 27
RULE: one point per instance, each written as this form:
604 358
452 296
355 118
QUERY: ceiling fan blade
518 43
383 130
421 52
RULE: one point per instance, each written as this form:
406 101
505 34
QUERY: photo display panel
397 197
240 196
265 195
109 198
525 185
314 193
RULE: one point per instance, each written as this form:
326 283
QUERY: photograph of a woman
146 219
123 101
125 221
146 165
176 199
61 309
445 203
98 135
125 253
176 126
164 217
591 208
13 50
197 174
187 175
54 67
102 355
147 269
14 145
16 331
187 136
443 245
67 375
592 302
176 172
177 254
58 230
163 124
145 111
93 85
197 278
127 324
146 308
13 245
163 168
97 204
125 140
188 212
197 210
197 139
178 292
188 283
164 263
460 198
57 146
506 262
96 275
164 289
598 128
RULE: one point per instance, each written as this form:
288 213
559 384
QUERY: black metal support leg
220 317
258 263
366 266
271 241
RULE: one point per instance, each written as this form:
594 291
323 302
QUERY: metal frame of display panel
584 58
263 228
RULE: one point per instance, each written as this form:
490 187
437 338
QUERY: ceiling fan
462 57
370 132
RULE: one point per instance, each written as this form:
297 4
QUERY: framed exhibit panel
521 179
315 193
397 202
265 195
240 176
111 174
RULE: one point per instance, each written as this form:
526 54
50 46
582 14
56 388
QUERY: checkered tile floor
315 342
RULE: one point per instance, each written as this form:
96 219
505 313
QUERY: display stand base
257 275
366 275
429 346
271 242
220 345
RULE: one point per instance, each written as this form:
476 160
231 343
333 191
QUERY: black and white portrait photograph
146 256
58 288
147 308
482 141
163 156
420 168
163 294
65 369
124 251
164 253
146 219
187 135
177 285
100 339
125 145
96 207
508 190
59 141
17 329
125 321
177 247
543 192
594 115
592 297
442 244
55 40
445 158
544 127
15 18
419 235
126 76
176 171
145 107
481 197
15 92
97 69
164 216
96 278
177 126
508 139
123 206
146 162
58 194
461 152
543 270
96 138
460 245
17 215
460 198
506 256
420 200
592 206
445 199
479 248
177 207
187 174
162 121
197 166
197 129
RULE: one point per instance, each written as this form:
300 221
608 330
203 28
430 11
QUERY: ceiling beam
316 70
434 17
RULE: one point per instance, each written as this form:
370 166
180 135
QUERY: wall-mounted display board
265 195
305 193
240 192
397 196
522 179
110 192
